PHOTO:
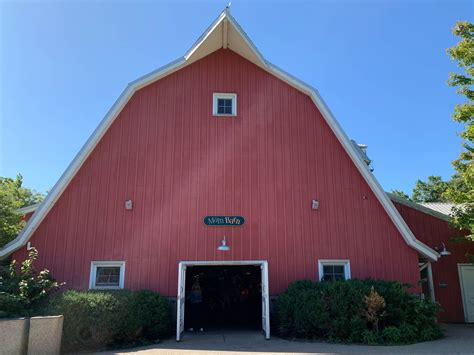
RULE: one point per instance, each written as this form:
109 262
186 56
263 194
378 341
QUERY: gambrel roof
224 32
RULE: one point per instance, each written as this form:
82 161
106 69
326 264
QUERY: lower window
107 275
333 270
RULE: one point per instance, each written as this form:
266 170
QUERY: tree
463 54
23 288
431 191
12 197
401 194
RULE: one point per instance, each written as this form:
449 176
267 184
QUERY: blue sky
380 65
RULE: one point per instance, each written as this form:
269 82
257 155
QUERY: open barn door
180 301
265 301
207 271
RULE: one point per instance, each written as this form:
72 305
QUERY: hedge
95 320
341 311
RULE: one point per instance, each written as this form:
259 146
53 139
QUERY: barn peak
226 33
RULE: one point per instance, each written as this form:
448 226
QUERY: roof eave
419 207
28 209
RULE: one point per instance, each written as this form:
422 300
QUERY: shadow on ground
459 339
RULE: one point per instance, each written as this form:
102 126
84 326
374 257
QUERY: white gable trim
205 35
28 209
418 207
109 118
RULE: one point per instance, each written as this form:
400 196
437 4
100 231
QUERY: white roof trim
28 209
419 207
205 35
99 132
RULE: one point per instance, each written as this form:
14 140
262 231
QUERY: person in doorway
195 311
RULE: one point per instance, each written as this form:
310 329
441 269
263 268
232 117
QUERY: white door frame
461 284
427 266
182 289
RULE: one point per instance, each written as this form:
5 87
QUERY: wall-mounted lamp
223 246
128 205
444 251
314 204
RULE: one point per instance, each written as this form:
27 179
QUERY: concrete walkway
459 339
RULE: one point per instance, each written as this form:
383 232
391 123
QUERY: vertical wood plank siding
178 163
434 232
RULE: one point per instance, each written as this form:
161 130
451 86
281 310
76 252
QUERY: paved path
459 339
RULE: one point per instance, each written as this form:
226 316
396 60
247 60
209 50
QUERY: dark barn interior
231 297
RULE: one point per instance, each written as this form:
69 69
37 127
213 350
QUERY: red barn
223 170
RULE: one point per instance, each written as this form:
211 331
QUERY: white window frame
93 274
223 95
340 262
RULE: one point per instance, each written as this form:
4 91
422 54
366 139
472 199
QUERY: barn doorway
222 296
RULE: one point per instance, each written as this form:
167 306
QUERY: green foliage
392 335
12 197
435 189
463 54
23 291
346 311
151 313
371 337
401 194
431 191
94 320
409 333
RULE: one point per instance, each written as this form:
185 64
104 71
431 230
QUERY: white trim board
28 209
418 207
463 292
253 55
427 266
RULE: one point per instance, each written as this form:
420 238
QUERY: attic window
224 104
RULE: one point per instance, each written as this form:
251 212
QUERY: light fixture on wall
128 205
314 204
444 252
223 246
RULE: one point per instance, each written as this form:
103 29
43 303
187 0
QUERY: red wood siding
178 163
433 232
27 216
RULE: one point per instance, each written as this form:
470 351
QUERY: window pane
327 269
224 106
333 272
107 276
327 277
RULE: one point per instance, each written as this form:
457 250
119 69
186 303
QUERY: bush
392 335
371 337
97 319
367 311
23 289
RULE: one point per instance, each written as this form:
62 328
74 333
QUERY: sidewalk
459 339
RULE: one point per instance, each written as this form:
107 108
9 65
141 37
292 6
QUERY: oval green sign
224 221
